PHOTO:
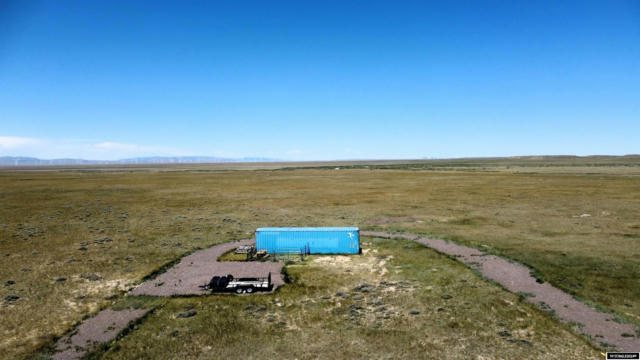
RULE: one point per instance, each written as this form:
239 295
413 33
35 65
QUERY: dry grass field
72 240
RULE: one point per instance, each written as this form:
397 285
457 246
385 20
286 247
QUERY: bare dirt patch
371 262
603 329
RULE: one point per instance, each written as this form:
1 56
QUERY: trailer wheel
250 290
239 290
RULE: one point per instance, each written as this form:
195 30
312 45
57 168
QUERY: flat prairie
74 240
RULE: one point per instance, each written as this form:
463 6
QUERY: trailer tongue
240 285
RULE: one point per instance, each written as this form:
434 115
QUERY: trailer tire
239 290
249 289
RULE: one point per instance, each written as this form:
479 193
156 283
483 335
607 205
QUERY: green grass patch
232 256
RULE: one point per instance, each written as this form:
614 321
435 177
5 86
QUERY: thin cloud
84 149
14 142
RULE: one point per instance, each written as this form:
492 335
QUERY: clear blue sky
319 80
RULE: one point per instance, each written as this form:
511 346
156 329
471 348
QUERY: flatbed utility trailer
240 285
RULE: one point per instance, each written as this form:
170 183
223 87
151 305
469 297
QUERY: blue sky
319 80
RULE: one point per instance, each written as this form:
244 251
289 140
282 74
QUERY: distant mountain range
30 161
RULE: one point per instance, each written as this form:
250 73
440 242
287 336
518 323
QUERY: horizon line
240 160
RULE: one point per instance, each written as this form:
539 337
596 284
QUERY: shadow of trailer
228 283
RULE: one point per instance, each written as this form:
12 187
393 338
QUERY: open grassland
71 240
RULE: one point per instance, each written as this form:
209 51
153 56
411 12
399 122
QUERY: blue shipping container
310 240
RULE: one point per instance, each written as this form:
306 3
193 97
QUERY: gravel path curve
600 327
